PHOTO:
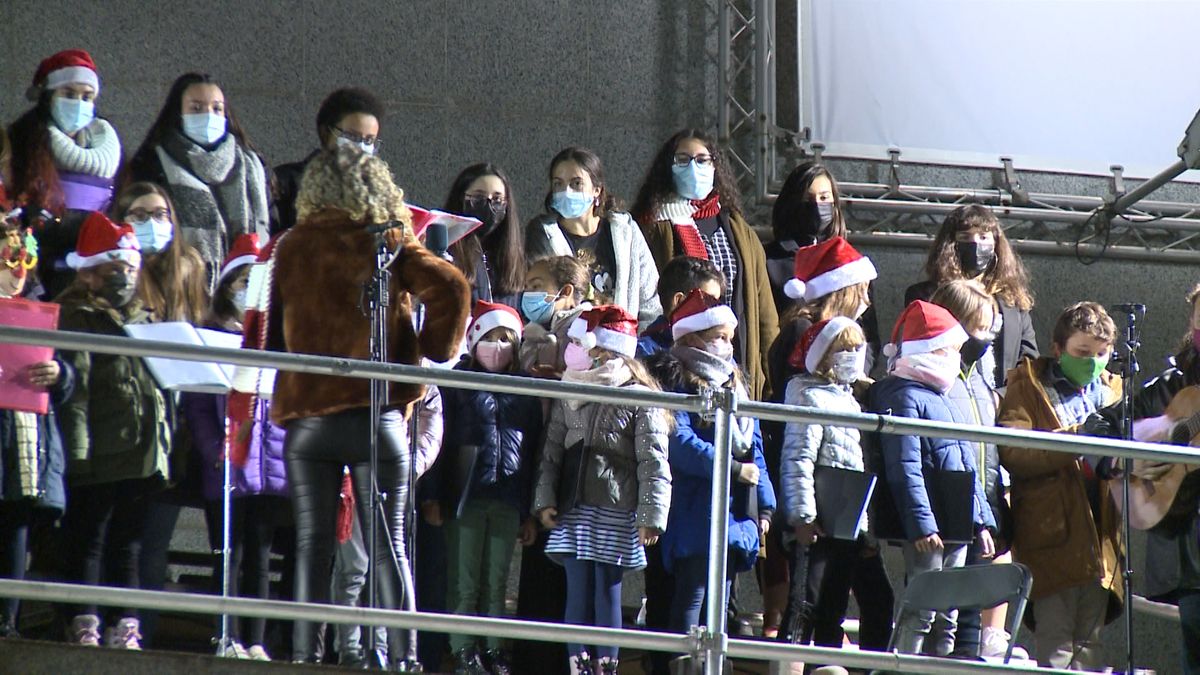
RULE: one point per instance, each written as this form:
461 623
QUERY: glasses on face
479 199
683 159
372 141
139 215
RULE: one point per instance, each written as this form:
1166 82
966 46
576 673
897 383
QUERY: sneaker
124 636
84 631
608 666
467 662
497 662
993 643
581 664
8 629
257 653
233 650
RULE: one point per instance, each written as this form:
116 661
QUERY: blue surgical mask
204 128
536 307
153 235
570 204
72 114
694 181
368 148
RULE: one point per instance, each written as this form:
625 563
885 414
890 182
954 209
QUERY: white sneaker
257 653
994 643
234 650
85 631
124 635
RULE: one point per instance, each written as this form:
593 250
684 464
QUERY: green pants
479 551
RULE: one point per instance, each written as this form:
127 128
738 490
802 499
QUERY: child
831 354
485 478
115 426
1066 522
700 359
603 485
678 278
925 363
557 290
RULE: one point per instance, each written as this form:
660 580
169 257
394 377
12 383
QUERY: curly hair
659 184
348 179
1007 279
34 176
1085 317
793 197
564 270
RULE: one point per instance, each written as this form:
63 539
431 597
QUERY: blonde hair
842 302
849 338
965 299
642 376
350 180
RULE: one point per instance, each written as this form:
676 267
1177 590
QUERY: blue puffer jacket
907 458
51 461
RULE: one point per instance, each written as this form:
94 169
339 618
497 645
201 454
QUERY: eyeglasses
477 199
358 138
683 159
140 215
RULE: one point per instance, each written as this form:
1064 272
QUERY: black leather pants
316 450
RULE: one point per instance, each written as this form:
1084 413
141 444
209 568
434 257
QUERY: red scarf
689 236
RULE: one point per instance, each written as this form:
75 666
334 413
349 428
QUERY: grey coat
624 463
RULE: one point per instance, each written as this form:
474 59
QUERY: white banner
1058 85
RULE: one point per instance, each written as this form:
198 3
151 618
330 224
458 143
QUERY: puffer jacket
976 402
908 459
265 471
49 491
806 446
625 459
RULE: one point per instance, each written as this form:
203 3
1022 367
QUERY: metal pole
1135 195
723 76
908 240
715 594
226 537
762 97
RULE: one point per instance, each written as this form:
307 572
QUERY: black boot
497 662
466 662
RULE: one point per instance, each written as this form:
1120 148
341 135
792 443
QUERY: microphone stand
1129 370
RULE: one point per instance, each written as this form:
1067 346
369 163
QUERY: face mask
694 181
936 370
975 257
719 348
577 358
490 213
536 307
72 114
118 289
570 204
368 148
153 235
204 128
974 349
848 366
815 221
239 300
494 356
1082 371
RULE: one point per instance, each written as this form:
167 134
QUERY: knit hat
815 341
72 66
101 240
825 267
489 315
607 326
244 252
699 311
924 327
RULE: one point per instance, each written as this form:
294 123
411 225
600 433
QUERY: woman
689 205
492 257
583 220
64 159
318 269
197 150
972 245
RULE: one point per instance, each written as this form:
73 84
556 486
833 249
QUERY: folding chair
975 587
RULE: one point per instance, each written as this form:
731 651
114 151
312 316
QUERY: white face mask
239 300
719 348
848 366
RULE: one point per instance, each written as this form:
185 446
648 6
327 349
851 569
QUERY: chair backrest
975 587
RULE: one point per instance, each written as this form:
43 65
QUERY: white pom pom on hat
794 289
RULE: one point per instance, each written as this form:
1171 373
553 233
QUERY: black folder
952 498
570 478
842 499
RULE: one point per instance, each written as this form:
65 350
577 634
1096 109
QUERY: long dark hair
659 184
590 162
1006 278
505 247
793 196
171 118
34 177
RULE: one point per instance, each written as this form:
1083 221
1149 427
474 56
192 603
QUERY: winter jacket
503 430
976 401
115 424
909 461
758 321
1055 532
806 446
655 338
692 453
264 472
635 287
624 464
49 491
544 348
285 188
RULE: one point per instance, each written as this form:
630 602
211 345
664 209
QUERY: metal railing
711 641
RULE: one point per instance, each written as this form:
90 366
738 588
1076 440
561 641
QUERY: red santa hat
71 66
825 267
244 252
700 311
924 327
101 241
489 315
607 326
814 343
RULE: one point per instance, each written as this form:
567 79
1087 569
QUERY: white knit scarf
95 150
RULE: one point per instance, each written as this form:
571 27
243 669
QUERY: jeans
102 525
915 626
691 584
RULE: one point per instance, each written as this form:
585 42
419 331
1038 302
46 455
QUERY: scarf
26 426
611 373
683 214
718 373
95 150
219 194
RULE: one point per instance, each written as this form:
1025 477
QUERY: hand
44 374
431 511
546 372
987 545
748 473
648 535
528 533
807 533
1150 471
764 526
548 517
929 544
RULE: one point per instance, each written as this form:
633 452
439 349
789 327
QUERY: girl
557 290
603 485
197 150
972 245
583 219
701 359
64 160
259 482
831 354
492 256
485 478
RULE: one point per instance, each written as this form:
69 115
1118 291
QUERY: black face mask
973 350
490 213
814 221
975 257
118 290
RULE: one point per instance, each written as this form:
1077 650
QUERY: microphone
1130 308
437 239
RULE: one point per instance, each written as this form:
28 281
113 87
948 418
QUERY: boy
1065 519
678 278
